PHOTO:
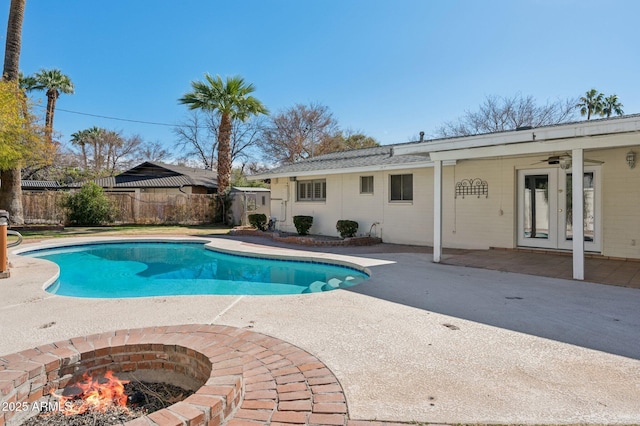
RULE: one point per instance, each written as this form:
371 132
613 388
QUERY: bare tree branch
295 133
497 114
198 137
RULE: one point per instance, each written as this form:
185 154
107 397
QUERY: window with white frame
312 190
366 184
401 187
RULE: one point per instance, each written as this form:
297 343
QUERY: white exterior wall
397 222
620 203
479 222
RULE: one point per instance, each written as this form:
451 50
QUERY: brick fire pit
239 375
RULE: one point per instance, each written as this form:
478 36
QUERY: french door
545 216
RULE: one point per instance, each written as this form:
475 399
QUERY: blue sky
387 68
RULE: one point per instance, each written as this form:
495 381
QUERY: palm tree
611 105
591 103
231 100
81 138
26 82
14 41
54 82
114 143
11 188
94 137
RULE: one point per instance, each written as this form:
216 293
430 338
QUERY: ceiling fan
564 161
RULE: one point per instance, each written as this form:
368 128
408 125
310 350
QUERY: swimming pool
140 269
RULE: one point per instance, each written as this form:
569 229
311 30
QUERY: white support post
437 211
577 215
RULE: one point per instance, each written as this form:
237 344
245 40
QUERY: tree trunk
10 181
14 41
224 153
84 154
97 155
11 184
110 155
52 96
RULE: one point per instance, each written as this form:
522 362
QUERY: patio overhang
572 139
585 143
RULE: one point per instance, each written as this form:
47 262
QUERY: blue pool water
113 270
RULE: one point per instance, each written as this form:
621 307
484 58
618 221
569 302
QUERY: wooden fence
130 208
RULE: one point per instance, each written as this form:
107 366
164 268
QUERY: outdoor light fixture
631 159
565 163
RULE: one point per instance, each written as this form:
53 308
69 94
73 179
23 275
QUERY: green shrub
258 220
303 224
89 206
347 228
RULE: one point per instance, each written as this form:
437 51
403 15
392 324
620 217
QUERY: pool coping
223 245
220 245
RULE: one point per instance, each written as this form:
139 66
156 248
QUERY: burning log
92 394
106 401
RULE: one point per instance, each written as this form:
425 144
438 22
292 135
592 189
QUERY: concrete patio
598 269
419 341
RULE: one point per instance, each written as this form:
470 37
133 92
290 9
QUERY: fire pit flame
97 394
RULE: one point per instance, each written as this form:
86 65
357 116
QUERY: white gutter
363 169
538 147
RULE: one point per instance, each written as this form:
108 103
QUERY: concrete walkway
416 342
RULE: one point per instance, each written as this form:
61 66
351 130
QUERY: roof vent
524 128
421 136
391 152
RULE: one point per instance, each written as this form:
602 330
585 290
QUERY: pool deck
419 341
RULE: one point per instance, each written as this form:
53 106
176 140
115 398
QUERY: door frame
557 209
596 244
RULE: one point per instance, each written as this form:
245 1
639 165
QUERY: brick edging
307 240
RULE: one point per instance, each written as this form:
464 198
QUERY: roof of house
40 184
376 158
419 153
159 175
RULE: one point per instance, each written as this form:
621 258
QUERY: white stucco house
508 190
